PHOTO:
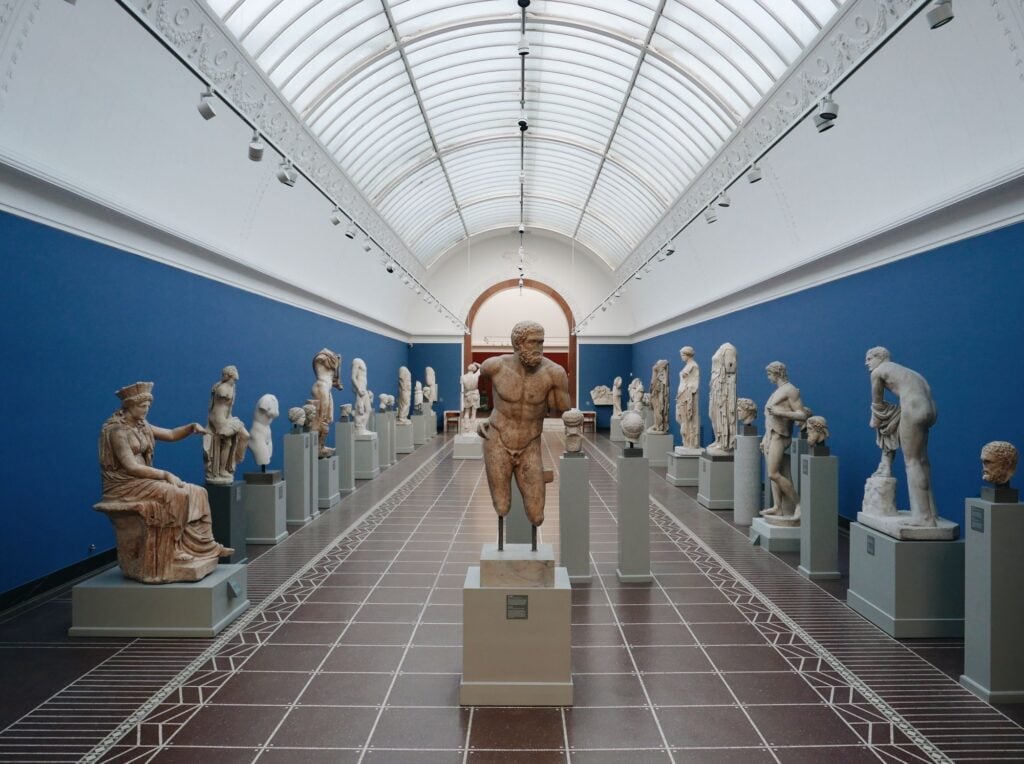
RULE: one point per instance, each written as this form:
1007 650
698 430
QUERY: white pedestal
616 435
574 515
714 481
518 529
648 415
468 447
328 480
746 480
296 471
682 468
404 438
110 605
909 589
634 532
656 445
344 439
383 440
994 612
798 448
419 429
393 451
266 508
314 474
775 538
819 517
516 644
367 456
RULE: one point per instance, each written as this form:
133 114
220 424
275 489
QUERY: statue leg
498 466
530 479
914 442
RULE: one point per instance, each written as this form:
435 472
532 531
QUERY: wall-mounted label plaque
871 545
517 607
978 519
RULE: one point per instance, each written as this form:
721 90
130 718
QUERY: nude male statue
527 387
781 410
470 382
326 368
904 426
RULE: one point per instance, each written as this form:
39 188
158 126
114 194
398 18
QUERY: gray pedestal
468 447
746 481
344 439
383 440
329 495
648 414
714 481
634 520
392 454
616 435
314 474
819 517
367 456
574 515
266 508
517 528
404 438
419 429
798 448
228 514
371 423
775 538
110 605
296 471
516 644
994 612
656 445
682 469
909 589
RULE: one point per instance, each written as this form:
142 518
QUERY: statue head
473 367
136 399
998 461
229 373
297 416
661 368
817 430
528 343
686 353
777 372
312 413
345 412
617 382
572 418
746 410
875 357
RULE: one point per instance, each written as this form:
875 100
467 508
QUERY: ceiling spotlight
336 216
604 308
823 124
256 147
522 228
523 3
522 178
390 267
287 174
669 250
828 109
350 232
524 46
754 173
723 200
418 290
405 279
618 292
523 121
367 245
661 256
638 276
710 215
940 14
206 104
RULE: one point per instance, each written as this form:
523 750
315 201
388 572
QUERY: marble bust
297 416
327 369
722 399
226 438
746 410
658 393
998 462
632 426
310 423
261 443
573 421
817 430
345 412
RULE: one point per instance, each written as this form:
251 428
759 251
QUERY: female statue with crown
162 523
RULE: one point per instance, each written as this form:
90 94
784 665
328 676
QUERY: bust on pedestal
264 494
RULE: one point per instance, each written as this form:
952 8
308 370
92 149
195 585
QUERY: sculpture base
404 438
227 513
383 440
897 527
615 435
344 438
746 479
296 470
266 508
468 446
517 566
774 538
682 468
516 644
656 445
110 605
367 456
781 521
574 516
314 474
634 524
908 589
819 527
329 496
419 429
715 481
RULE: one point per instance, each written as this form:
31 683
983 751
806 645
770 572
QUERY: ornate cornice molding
195 34
851 36
16 20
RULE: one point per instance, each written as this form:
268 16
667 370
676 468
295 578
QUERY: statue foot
183 557
770 511
225 551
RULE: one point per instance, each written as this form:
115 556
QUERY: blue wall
446 360
79 321
599 365
954 314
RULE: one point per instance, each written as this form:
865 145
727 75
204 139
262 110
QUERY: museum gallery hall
513 381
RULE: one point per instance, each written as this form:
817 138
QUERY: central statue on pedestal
527 387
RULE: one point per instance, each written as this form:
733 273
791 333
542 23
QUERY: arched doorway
539 286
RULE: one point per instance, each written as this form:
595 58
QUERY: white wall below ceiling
492 326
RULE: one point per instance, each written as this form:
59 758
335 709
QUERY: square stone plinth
615 433
715 481
682 467
516 644
110 605
896 526
775 538
266 511
367 461
327 483
517 566
403 438
656 445
468 446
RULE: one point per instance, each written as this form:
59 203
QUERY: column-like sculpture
781 410
687 409
573 421
327 368
722 400
404 395
617 397
362 406
261 442
226 437
470 382
659 397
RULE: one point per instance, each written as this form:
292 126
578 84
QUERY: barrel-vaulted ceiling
627 100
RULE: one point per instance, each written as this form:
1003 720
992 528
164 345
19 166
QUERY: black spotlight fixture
940 14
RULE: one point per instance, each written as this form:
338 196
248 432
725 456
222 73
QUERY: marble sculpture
573 421
161 523
601 395
687 410
261 443
327 368
429 388
722 399
998 462
658 393
470 383
417 398
363 405
617 397
345 412
817 430
746 410
404 396
636 394
297 416
632 426
781 410
311 420
226 437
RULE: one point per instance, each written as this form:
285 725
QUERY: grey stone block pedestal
367 456
819 521
682 469
110 605
265 497
634 531
774 538
909 589
656 445
468 446
393 452
994 613
419 429
344 439
296 471
229 521
328 482
715 481
383 440
574 515
616 435
404 438
314 474
746 480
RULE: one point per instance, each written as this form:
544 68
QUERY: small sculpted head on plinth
746 410
817 430
345 412
261 443
573 421
297 416
632 426
998 462
310 422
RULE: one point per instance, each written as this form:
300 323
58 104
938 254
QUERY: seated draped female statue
162 524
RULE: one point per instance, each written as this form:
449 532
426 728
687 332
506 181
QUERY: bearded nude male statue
527 388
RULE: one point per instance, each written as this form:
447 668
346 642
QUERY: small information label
871 545
978 519
803 466
517 607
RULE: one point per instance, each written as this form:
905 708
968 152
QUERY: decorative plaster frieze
16 20
196 35
1009 15
855 31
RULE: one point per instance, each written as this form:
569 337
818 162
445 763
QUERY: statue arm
131 463
797 412
178 433
877 397
490 367
559 400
